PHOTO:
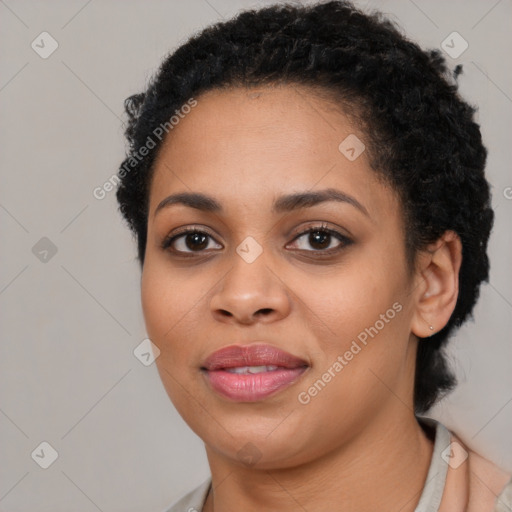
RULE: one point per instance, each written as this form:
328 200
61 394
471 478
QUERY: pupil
316 237
196 237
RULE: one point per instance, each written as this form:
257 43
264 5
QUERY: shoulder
193 501
489 486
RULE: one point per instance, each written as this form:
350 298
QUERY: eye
194 240
321 238
189 238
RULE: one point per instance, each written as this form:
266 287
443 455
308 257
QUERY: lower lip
252 387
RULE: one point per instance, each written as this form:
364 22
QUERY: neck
384 468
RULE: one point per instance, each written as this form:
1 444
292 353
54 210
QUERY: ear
437 284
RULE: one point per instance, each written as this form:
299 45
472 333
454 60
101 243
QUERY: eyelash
345 241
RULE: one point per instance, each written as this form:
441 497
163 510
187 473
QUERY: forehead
249 145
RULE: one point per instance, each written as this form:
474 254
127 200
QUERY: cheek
168 304
157 302
364 319
352 298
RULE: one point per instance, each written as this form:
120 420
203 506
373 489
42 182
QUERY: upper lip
260 354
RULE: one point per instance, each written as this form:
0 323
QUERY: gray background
69 325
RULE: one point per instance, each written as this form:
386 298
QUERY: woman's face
340 305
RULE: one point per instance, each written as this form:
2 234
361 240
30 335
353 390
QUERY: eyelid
324 227
169 239
320 225
311 227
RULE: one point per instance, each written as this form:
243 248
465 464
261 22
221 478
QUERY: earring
431 328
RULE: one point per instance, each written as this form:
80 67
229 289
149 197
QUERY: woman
308 195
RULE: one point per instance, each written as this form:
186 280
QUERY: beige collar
473 485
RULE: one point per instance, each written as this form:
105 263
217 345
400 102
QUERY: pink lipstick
252 372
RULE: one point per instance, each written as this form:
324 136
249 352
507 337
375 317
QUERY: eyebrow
286 203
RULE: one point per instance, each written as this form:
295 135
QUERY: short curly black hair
422 135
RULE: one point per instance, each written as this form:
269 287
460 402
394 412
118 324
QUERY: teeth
251 369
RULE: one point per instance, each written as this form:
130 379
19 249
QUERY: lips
253 372
251 355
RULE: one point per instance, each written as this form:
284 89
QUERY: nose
249 293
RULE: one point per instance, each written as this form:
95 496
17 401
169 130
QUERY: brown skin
357 442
